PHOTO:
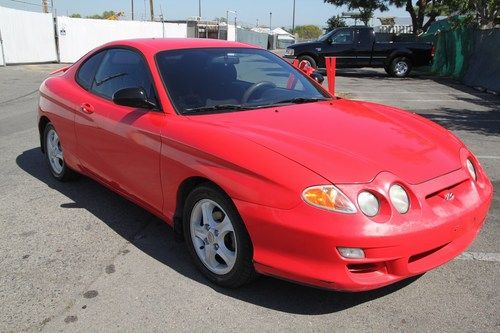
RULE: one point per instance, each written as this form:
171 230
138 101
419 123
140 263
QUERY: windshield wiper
107 78
220 107
300 100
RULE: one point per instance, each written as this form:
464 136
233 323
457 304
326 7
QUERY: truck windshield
324 37
209 80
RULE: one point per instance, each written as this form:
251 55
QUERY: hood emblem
449 196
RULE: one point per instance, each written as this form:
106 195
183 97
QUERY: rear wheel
309 60
400 67
217 238
54 154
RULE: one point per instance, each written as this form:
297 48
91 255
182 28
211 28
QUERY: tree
75 15
485 11
365 7
335 22
104 16
423 9
308 31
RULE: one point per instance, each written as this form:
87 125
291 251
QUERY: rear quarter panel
56 103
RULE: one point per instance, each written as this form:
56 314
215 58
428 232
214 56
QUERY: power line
27 3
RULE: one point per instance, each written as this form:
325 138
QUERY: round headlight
399 198
368 203
471 169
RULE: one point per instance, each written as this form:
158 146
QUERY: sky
248 12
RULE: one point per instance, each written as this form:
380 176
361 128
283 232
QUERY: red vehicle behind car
259 168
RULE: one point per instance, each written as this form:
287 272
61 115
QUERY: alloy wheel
213 236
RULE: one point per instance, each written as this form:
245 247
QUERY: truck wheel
400 67
310 60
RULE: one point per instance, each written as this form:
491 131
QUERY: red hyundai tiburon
259 167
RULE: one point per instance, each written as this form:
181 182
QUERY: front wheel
217 238
309 61
400 67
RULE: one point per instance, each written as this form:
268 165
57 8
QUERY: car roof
155 45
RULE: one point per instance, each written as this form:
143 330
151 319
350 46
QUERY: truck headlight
289 52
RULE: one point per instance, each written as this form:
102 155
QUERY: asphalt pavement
75 257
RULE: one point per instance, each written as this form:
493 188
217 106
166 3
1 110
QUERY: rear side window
365 35
86 73
122 68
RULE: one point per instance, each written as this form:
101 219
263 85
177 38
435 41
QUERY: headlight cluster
289 52
331 198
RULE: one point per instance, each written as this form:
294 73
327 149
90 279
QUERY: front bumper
300 244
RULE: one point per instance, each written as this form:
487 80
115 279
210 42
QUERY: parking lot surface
77 257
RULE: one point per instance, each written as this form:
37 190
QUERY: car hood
348 141
304 44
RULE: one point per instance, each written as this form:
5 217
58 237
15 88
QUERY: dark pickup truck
358 47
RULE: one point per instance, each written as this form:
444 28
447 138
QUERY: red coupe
261 169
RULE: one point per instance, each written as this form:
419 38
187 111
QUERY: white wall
1 50
231 33
27 36
78 36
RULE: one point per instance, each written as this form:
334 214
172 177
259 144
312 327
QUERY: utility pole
152 9
199 8
132 10
45 6
270 21
293 18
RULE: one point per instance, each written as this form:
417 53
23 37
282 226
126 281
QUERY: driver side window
343 37
122 68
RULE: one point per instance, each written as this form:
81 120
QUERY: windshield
232 79
324 37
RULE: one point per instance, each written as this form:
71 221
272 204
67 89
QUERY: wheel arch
315 57
399 53
186 187
42 123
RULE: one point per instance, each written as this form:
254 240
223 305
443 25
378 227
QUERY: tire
400 67
387 70
309 59
222 251
55 156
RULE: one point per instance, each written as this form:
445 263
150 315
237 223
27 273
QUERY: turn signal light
328 197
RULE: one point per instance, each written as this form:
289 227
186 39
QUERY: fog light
351 252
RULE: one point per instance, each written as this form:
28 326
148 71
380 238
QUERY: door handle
87 108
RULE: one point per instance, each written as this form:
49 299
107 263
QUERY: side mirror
317 77
133 97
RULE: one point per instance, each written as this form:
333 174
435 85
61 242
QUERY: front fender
245 170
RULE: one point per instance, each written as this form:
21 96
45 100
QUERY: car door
341 45
364 39
120 145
